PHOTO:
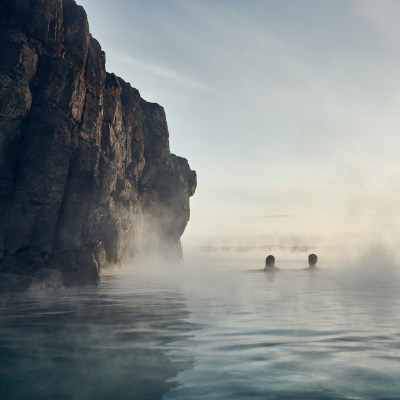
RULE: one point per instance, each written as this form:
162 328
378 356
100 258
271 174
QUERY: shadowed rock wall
87 179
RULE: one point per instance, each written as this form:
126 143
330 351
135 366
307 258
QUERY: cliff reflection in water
113 342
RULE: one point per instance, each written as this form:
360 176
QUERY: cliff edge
87 179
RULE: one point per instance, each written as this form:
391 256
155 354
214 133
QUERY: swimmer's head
312 260
270 261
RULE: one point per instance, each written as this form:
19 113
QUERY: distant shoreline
272 247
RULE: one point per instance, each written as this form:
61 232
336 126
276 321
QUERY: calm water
212 331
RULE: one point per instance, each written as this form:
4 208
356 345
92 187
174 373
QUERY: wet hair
312 259
270 260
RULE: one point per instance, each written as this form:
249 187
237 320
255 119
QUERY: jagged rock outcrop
87 179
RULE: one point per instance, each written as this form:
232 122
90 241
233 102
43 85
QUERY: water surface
214 330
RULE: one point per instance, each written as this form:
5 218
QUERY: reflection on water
106 343
327 334
210 331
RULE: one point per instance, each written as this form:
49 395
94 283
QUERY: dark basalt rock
87 179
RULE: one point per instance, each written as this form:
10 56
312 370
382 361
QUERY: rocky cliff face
87 179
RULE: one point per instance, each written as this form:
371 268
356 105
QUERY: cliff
87 180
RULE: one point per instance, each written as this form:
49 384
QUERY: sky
287 109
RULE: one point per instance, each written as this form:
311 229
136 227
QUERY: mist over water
213 327
295 334
114 341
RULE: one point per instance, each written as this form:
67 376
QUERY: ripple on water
208 334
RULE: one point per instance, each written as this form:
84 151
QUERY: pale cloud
277 216
384 16
164 72
284 108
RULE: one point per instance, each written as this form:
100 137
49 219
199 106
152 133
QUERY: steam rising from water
215 326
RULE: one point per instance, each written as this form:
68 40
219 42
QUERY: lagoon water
211 330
